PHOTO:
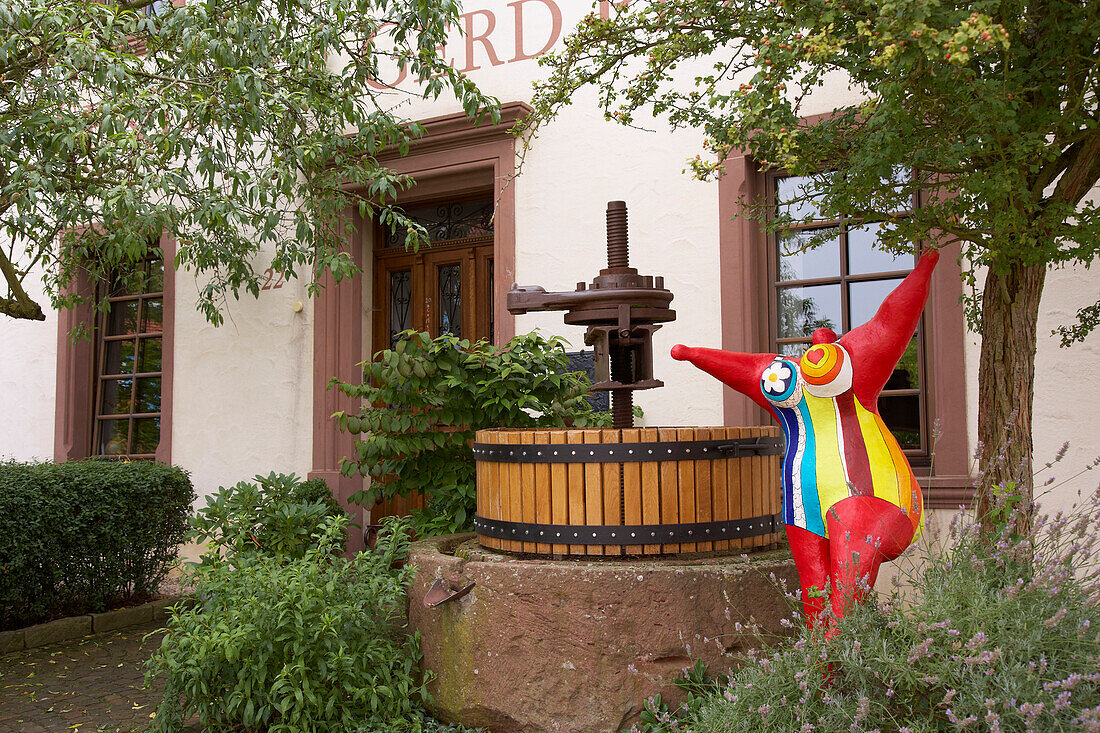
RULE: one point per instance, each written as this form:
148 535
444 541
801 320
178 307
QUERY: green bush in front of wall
86 536
308 643
424 399
277 514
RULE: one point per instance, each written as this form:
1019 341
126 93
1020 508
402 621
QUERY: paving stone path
82 685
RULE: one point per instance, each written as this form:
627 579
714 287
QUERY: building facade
251 396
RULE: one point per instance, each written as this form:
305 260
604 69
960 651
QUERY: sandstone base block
579 645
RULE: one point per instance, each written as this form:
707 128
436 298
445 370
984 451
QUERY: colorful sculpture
851 501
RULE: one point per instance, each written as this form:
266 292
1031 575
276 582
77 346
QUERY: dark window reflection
135 306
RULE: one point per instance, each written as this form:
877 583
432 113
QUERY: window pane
112 437
791 197
802 310
795 263
123 318
146 435
864 298
450 300
149 355
864 259
115 399
906 374
901 413
796 349
152 316
154 276
148 395
118 357
400 302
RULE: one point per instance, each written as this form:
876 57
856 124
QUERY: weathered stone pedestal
571 645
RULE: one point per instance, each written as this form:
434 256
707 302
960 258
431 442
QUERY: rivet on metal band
696 450
628 534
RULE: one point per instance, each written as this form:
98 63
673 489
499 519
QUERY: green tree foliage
424 399
241 128
992 105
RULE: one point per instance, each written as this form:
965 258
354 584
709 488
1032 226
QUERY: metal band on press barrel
696 450
628 534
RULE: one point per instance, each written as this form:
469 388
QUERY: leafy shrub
425 398
277 514
1004 636
313 643
86 536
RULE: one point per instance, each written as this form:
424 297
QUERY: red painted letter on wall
483 39
555 30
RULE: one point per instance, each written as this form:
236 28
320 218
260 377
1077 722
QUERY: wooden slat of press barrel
527 487
492 499
651 490
632 489
576 487
612 491
758 503
686 471
512 501
704 491
480 469
559 491
670 491
543 513
718 483
734 494
593 490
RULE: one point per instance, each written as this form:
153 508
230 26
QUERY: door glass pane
449 221
802 310
450 300
864 258
864 298
492 310
112 437
797 263
115 398
400 303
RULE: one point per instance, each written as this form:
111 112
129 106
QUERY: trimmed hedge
84 536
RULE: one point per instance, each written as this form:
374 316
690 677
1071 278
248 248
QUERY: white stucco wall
28 374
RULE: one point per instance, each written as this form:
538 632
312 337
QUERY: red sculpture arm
737 370
876 346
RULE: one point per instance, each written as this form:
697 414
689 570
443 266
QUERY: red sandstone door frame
453 157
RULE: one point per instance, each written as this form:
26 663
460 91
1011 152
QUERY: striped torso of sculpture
850 498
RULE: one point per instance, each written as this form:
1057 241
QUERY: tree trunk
1006 376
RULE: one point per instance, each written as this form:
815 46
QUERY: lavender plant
1003 635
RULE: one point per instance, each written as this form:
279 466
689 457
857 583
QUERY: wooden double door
446 287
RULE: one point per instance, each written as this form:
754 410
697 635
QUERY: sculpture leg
864 532
811 558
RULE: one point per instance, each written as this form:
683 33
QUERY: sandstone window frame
746 313
78 367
